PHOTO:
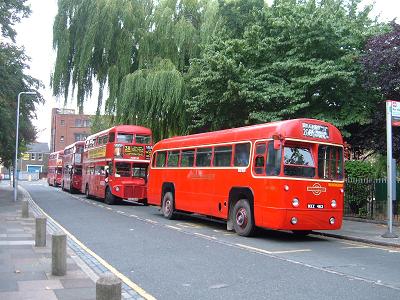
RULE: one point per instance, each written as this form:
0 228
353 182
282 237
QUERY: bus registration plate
318 206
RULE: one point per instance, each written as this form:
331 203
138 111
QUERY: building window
62 138
78 123
62 122
40 156
80 136
33 156
86 123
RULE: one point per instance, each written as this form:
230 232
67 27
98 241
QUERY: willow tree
138 49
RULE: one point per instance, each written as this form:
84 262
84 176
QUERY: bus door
99 183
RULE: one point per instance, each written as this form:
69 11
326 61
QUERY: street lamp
16 145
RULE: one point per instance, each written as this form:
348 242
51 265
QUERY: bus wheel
87 191
110 198
168 205
243 222
301 233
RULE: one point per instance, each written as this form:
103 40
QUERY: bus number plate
319 206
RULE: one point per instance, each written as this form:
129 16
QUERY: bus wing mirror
277 144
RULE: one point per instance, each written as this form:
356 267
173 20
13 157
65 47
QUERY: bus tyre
168 206
87 192
301 233
243 221
110 199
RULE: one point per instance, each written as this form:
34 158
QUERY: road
195 258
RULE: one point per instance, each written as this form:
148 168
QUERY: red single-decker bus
72 167
115 163
54 173
285 175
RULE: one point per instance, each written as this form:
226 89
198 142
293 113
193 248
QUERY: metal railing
367 198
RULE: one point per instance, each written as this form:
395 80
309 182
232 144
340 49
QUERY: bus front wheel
243 221
168 205
110 198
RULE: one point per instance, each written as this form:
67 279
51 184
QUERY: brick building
67 128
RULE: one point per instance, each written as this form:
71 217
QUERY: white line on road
205 236
151 221
272 252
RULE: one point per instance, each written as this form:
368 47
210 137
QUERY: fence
367 198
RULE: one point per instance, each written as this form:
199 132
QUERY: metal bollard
108 287
58 254
25 209
40 234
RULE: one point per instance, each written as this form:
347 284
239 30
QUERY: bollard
58 254
40 234
25 209
108 287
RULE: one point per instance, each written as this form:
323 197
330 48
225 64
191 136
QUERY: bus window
160 159
122 169
78 171
139 170
203 157
330 162
143 139
259 161
242 154
173 158
222 156
273 160
187 159
124 138
298 162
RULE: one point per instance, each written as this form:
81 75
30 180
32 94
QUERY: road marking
151 221
133 216
120 212
271 252
188 225
125 279
356 247
205 236
173 227
109 208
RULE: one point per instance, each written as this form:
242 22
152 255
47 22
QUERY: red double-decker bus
72 167
55 165
284 175
115 163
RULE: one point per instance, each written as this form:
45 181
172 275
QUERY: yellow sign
25 156
97 152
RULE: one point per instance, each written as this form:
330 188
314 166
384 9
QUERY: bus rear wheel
110 199
243 221
168 206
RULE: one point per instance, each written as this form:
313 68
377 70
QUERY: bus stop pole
389 233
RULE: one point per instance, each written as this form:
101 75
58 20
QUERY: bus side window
222 156
203 157
161 159
242 154
259 161
173 158
273 160
187 159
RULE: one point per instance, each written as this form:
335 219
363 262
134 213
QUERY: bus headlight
332 220
117 188
293 220
333 203
295 202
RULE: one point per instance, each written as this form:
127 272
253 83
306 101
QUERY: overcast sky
35 34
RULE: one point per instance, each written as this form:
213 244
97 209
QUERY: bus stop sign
395 113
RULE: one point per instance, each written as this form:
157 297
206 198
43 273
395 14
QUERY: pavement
25 270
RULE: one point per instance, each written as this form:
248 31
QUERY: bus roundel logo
316 189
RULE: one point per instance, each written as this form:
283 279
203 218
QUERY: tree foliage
13 80
293 59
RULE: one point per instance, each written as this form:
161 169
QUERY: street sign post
392 116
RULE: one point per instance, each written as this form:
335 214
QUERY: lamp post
16 145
